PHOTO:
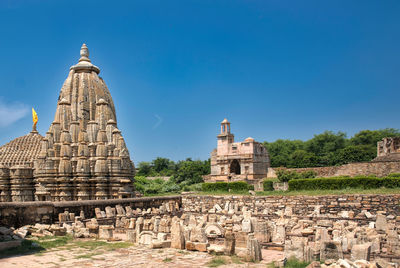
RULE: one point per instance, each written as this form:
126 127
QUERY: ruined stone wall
310 227
379 169
301 205
23 213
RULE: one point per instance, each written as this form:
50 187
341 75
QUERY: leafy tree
163 165
190 172
327 149
144 169
355 153
325 143
302 158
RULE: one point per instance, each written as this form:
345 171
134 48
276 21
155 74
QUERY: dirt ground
134 256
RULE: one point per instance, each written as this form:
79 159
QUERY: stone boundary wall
301 206
17 214
379 169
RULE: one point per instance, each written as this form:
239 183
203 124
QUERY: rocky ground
75 256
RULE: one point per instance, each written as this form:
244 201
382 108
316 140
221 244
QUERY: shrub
268 185
338 183
215 186
394 175
236 186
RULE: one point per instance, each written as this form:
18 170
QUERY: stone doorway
235 167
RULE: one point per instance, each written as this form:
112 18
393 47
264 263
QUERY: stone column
21 178
5 193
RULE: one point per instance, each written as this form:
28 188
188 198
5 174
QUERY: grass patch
294 263
235 259
96 244
26 247
291 263
216 261
49 242
167 260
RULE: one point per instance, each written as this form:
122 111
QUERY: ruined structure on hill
388 149
232 161
83 155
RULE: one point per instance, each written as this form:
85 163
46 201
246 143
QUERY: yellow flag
34 117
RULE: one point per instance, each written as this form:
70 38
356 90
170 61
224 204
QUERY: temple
83 155
233 161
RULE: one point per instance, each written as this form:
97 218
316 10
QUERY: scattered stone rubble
243 226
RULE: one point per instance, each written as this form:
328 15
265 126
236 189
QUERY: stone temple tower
83 155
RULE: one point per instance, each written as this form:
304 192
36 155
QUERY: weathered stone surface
254 249
381 223
146 237
177 235
229 244
160 244
106 232
331 250
361 252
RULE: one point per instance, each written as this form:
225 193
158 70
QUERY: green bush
268 185
338 183
215 186
394 175
236 186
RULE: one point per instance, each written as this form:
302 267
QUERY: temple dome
21 151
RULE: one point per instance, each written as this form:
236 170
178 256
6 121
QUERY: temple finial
84 53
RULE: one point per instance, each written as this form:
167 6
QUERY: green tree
280 150
190 172
144 169
327 142
355 153
302 158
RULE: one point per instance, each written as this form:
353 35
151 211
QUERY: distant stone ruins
388 149
238 161
83 155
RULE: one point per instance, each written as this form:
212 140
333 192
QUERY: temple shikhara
247 160
82 156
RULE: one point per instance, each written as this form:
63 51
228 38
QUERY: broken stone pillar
261 231
254 249
131 235
280 234
110 212
120 210
132 223
229 243
177 236
246 226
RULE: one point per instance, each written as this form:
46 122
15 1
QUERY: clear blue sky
176 69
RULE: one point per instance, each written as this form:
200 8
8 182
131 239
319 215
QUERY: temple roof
21 151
